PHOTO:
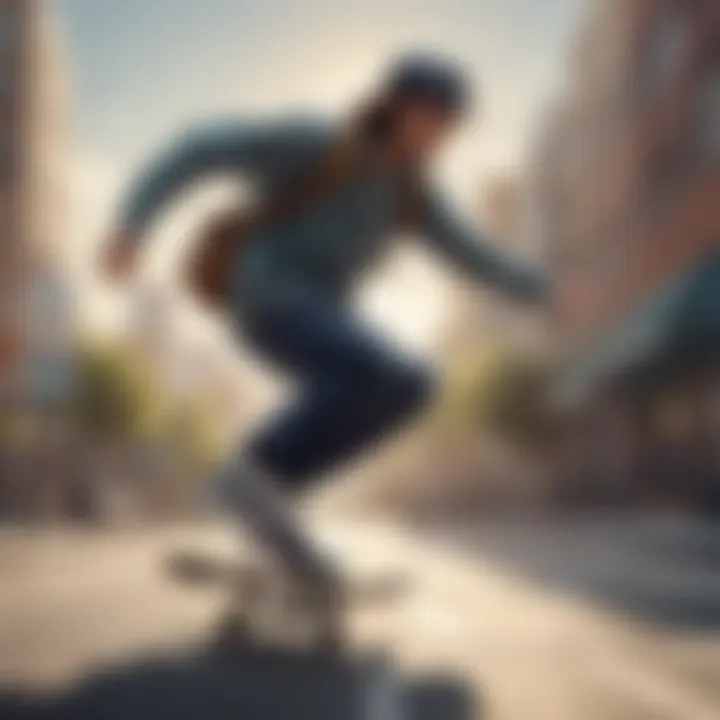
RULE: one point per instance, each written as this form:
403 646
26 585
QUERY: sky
143 69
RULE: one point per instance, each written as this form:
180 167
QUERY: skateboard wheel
232 632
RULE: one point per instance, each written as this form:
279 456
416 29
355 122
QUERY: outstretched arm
198 152
469 252
255 150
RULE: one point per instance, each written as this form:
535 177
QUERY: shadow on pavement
266 686
664 572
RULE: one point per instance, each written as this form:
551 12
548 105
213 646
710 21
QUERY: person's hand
120 256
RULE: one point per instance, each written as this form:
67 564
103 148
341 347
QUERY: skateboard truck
270 608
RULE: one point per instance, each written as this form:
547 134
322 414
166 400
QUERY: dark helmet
430 78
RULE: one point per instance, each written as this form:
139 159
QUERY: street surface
608 620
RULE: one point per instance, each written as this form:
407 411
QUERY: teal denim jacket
326 249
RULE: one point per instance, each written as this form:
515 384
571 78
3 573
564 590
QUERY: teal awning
675 329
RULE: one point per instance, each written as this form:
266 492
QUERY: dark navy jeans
353 389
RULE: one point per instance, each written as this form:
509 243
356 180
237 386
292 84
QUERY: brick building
626 195
35 305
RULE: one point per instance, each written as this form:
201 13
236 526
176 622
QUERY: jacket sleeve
466 249
235 147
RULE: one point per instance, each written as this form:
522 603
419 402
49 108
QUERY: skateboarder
291 279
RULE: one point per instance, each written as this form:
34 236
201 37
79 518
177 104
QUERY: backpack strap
336 167
209 269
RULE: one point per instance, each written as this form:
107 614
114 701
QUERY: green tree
192 430
115 398
503 394
130 422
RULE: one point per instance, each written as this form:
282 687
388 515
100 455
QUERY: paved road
487 609
662 570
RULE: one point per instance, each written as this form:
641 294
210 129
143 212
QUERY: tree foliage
193 429
117 399
503 394
114 396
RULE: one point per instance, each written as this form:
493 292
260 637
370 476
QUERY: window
8 85
7 158
665 51
50 302
8 29
712 419
708 115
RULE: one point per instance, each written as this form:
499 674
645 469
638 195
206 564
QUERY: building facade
35 302
626 184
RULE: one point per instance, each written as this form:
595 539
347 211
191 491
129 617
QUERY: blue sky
143 67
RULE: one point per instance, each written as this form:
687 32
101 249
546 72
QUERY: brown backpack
209 268
210 264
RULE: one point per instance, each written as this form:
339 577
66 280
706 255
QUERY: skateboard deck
266 604
204 569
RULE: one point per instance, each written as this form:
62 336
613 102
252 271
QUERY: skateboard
267 606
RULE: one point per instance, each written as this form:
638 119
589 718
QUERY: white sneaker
251 497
